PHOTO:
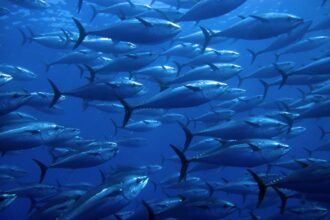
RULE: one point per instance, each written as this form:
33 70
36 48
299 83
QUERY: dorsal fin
144 22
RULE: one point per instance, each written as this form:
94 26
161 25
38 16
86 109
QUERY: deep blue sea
97 125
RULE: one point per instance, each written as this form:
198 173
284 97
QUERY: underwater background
97 125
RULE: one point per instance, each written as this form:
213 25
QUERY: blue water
95 124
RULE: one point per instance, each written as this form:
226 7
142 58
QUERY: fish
81 159
139 126
17 72
211 56
209 9
54 40
310 43
249 153
311 173
187 50
318 67
5 78
213 71
100 90
298 163
283 40
160 74
6 200
75 57
125 63
137 30
256 27
106 199
34 134
188 95
268 71
251 127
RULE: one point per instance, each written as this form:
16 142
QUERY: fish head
235 68
174 28
129 45
5 77
294 20
284 148
133 185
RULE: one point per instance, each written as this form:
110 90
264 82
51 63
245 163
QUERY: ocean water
97 125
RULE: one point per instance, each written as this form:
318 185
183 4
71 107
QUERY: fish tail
189 135
284 76
47 66
210 188
262 186
94 12
178 67
23 35
184 162
128 110
289 121
151 214
82 33
52 154
43 170
33 204
253 55
323 132
162 86
56 93
79 5
103 176
207 37
266 88
115 132
240 80
67 37
92 73
283 197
